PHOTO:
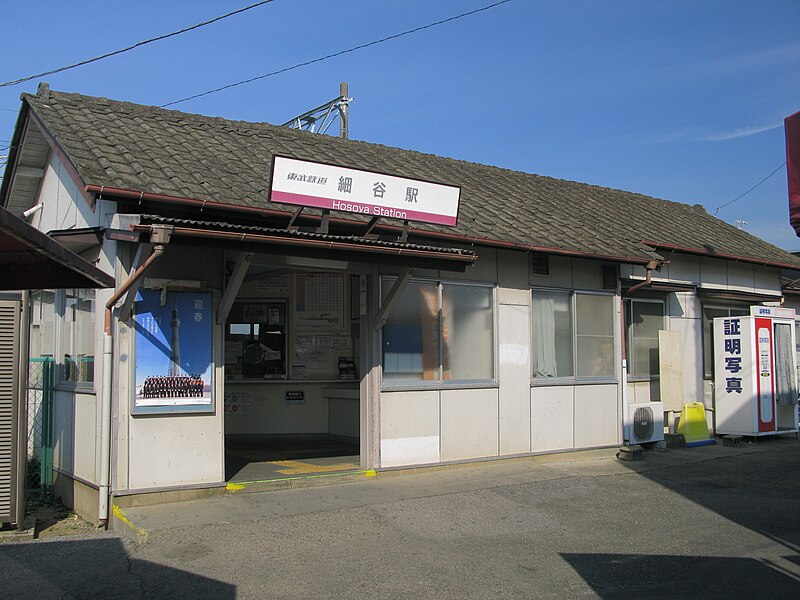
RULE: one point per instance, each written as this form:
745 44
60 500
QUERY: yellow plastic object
693 426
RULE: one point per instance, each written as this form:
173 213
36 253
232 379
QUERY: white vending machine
755 373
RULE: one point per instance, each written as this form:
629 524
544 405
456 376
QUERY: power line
750 190
335 54
136 45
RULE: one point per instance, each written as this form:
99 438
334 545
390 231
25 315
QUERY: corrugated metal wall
9 386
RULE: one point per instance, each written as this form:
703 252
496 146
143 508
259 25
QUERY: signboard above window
332 187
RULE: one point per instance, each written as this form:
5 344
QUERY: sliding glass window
644 320
439 332
573 335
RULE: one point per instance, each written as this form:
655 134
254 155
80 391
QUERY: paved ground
704 522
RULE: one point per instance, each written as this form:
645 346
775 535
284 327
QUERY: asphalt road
711 522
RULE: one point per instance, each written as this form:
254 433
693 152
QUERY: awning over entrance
29 259
304 243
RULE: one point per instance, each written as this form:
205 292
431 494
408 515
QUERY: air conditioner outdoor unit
644 422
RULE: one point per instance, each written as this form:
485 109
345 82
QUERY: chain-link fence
40 424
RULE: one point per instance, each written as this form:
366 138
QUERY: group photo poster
174 351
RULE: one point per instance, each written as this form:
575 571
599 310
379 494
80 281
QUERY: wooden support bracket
386 306
142 252
234 284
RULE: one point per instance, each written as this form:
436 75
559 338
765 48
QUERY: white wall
271 415
64 206
74 439
428 426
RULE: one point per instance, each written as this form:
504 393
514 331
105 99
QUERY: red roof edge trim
702 252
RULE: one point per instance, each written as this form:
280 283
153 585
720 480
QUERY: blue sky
681 100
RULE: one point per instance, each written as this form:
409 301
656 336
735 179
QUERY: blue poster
173 349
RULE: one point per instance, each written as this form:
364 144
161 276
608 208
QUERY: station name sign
332 187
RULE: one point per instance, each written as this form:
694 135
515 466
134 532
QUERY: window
43 319
552 334
439 332
255 340
709 313
76 342
644 318
573 335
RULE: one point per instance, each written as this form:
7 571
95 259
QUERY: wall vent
540 263
609 277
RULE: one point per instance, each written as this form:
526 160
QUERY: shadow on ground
97 568
758 490
628 576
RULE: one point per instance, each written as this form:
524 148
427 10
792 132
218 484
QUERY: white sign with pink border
332 187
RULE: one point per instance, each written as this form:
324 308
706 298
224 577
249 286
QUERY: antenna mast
319 119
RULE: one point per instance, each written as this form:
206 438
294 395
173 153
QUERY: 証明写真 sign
332 187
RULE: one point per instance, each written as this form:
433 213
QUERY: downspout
648 280
160 238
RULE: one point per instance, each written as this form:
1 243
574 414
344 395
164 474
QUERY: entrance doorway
292 399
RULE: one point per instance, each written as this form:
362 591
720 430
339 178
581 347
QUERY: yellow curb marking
120 514
300 468
240 485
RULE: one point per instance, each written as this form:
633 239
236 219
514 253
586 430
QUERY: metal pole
344 130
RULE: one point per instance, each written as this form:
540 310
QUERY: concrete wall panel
484 269
409 428
766 279
514 378
469 424
681 268
63 432
714 272
740 276
597 416
560 274
86 438
513 279
552 417
587 274
270 414
173 450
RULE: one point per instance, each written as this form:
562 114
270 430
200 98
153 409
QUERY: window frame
629 345
574 379
440 383
61 383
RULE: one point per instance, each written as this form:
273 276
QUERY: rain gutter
160 235
702 252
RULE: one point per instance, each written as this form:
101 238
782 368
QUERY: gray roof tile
153 150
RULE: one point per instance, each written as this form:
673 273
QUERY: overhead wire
740 196
134 46
335 54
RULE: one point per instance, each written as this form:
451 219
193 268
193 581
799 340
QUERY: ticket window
255 341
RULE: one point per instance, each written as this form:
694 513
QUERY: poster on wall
319 301
173 356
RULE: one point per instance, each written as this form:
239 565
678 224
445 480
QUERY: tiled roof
158 151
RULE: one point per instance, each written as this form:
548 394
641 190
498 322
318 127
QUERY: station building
243 335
